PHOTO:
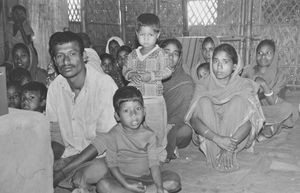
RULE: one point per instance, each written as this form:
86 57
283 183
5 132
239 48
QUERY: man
79 106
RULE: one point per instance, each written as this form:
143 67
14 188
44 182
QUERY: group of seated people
112 127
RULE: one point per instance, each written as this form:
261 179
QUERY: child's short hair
124 48
19 75
106 56
126 93
148 19
85 38
229 49
36 86
268 42
20 46
60 38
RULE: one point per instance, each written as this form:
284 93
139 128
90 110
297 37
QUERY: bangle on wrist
269 94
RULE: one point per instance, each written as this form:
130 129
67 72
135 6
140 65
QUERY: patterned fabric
156 62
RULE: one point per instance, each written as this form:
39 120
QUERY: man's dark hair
126 93
60 38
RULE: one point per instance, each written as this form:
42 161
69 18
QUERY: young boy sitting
203 70
131 150
34 96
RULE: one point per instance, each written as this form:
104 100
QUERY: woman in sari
278 112
225 111
178 93
25 58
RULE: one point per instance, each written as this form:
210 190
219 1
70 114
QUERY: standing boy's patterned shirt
156 62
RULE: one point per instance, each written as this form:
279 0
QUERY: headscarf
201 60
274 78
116 38
178 78
221 94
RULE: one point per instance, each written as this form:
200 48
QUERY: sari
232 106
178 92
281 112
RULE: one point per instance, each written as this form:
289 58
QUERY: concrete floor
273 167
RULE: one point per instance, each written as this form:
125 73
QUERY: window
74 10
202 12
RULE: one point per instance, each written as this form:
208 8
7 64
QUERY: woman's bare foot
226 161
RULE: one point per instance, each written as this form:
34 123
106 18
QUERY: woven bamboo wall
275 19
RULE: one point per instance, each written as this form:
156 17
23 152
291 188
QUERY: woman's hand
262 83
226 143
136 187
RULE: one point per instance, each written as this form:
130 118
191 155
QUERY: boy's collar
143 57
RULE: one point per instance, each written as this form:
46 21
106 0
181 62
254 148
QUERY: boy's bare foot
226 161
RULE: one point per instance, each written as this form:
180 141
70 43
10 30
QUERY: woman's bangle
269 94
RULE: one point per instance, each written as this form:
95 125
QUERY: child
122 55
20 75
203 70
14 95
145 69
225 111
272 81
131 150
34 96
22 57
109 67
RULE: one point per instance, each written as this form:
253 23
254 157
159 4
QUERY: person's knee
103 186
94 172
